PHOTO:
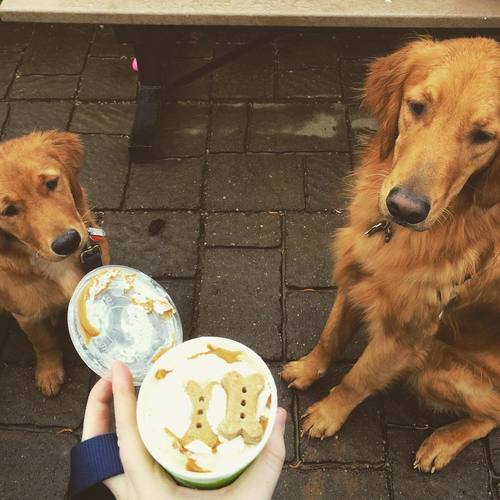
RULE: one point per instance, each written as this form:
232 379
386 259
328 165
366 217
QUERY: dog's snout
67 243
407 206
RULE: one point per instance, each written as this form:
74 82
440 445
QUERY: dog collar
91 257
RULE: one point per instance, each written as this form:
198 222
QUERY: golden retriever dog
44 218
419 261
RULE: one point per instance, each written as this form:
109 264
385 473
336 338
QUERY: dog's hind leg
459 381
342 322
444 444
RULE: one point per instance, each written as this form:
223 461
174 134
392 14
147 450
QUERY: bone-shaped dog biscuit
199 428
241 410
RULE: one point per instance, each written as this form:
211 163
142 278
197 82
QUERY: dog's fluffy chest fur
66 273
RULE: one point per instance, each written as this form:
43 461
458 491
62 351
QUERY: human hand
143 477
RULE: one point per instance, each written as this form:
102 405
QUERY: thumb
260 479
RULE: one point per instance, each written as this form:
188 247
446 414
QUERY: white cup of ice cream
117 313
206 409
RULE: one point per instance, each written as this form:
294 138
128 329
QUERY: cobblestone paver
234 219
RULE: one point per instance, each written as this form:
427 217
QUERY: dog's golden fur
36 283
446 148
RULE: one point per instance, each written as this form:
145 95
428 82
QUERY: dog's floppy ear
383 91
67 149
486 185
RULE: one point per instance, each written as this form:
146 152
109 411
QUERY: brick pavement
234 219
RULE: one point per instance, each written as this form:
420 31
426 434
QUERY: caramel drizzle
162 350
268 402
227 356
192 466
263 421
161 373
88 329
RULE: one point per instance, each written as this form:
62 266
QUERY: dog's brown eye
10 211
480 137
52 184
417 108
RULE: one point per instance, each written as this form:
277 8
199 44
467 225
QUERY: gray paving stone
9 62
306 315
354 74
14 37
494 446
257 182
243 230
178 67
237 286
465 477
105 168
402 408
23 403
182 293
309 262
356 44
359 440
323 83
362 125
172 183
249 76
298 127
19 351
4 111
105 44
57 49
44 87
327 483
285 400
237 36
308 50
228 129
182 130
34 464
194 43
108 79
4 321
103 118
327 181
26 116
171 252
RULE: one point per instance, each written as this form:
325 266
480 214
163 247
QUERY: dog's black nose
407 206
66 243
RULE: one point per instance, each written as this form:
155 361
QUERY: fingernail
281 418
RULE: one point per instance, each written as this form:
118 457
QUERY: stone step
299 13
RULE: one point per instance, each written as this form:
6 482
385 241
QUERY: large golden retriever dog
419 260
44 217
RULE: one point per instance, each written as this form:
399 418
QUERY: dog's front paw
435 453
323 419
303 372
49 379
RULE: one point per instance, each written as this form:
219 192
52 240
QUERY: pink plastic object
135 67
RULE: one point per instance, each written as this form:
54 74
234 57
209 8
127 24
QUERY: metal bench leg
148 103
149 45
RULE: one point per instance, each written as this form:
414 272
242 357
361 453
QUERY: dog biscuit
241 410
199 428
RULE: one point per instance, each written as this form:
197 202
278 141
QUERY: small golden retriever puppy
419 260
44 221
